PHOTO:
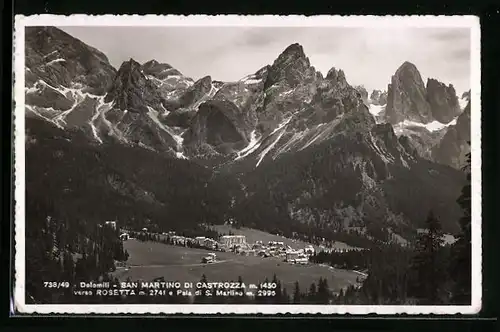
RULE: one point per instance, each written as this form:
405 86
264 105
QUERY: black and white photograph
247 164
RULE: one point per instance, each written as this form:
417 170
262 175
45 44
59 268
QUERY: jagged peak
151 62
294 48
408 73
154 63
131 64
334 74
407 68
435 82
294 51
204 79
407 65
466 95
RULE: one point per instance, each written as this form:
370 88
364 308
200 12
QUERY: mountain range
280 148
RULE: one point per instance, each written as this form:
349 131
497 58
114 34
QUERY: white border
471 22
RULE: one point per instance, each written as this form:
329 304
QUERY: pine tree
285 298
427 264
312 294
201 297
296 293
277 298
341 297
323 295
461 260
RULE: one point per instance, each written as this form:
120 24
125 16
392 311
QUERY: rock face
443 101
61 60
453 148
220 125
378 97
406 96
466 95
292 67
364 94
428 116
132 90
285 143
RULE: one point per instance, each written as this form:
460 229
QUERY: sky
368 57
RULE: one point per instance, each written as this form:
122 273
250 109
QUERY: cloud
449 34
462 54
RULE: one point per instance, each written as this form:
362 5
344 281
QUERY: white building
210 243
200 240
232 240
291 255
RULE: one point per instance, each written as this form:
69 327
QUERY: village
236 244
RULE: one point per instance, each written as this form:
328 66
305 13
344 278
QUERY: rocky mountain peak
407 97
363 92
291 67
293 50
407 67
159 70
271 130
378 97
129 65
60 59
131 89
199 89
453 148
204 81
335 75
466 95
151 62
443 100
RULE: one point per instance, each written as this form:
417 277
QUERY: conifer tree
296 293
200 296
427 264
323 295
312 294
461 260
277 298
285 298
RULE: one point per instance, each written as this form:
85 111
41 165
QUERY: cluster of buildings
225 243
277 249
239 245
338 250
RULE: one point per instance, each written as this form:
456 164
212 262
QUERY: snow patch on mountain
431 126
165 111
281 125
375 109
251 147
49 54
314 139
153 114
250 79
269 148
288 145
384 154
35 111
55 61
462 102
213 90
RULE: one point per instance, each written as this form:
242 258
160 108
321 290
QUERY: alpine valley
284 149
